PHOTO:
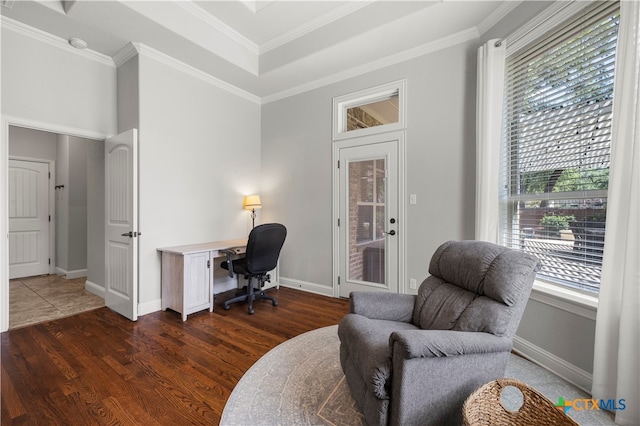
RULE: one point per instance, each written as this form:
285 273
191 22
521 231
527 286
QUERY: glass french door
368 212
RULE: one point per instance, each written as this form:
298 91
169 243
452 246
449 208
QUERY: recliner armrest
443 343
384 306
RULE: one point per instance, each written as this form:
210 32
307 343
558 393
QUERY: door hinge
338 280
49 175
208 264
338 221
49 218
49 261
338 163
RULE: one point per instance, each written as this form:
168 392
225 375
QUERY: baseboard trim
149 307
306 286
70 275
143 308
76 274
94 288
558 366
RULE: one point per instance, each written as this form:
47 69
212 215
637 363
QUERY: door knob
392 232
131 234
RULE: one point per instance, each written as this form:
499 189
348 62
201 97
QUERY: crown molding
190 70
204 16
256 6
497 15
548 19
443 43
312 25
52 40
126 53
134 48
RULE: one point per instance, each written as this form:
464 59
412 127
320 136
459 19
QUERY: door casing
358 142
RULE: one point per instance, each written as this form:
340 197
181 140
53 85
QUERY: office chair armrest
230 253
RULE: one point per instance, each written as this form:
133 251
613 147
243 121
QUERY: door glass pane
367 186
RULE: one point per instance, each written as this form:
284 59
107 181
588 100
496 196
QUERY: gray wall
199 154
95 213
32 144
71 204
54 86
128 95
440 152
62 203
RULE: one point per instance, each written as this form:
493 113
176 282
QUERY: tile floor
48 297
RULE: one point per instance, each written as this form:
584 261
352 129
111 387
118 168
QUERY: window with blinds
557 138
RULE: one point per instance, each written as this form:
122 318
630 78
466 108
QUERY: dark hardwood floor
100 368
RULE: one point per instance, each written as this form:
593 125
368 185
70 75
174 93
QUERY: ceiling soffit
347 36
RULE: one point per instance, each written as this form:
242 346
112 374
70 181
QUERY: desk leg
212 259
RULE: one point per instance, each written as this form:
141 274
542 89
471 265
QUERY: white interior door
28 218
369 216
121 216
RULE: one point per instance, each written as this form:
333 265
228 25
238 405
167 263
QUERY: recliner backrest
263 247
475 286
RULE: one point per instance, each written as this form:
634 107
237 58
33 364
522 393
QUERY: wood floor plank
11 403
100 368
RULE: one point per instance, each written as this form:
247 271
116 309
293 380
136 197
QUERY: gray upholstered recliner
412 360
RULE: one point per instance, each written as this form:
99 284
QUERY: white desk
187 275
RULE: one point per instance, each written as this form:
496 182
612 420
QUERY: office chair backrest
263 247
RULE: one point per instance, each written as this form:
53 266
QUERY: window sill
568 300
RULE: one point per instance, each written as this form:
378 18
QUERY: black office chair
263 250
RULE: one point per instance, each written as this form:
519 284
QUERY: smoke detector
78 43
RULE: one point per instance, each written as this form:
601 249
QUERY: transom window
371 111
557 139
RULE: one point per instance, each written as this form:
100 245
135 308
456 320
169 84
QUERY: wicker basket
484 407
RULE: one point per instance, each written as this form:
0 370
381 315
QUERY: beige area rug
299 382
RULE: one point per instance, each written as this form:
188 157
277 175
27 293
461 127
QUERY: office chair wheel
251 311
227 307
275 303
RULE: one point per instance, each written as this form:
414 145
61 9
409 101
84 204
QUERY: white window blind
557 137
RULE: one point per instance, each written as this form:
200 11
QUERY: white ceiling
264 49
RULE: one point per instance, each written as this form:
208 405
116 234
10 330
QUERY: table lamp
252 202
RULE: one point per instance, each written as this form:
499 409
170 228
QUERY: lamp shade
252 202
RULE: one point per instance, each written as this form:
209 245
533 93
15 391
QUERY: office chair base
250 296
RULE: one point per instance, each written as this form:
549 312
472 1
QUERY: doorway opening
77 221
